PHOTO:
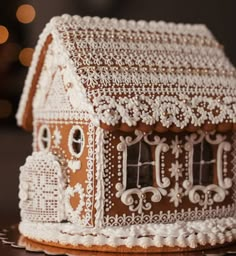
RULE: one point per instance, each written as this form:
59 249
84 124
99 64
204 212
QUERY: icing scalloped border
181 234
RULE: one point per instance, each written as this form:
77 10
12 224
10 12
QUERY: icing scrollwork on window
206 192
140 204
207 199
223 182
135 196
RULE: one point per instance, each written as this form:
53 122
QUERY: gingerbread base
184 236
12 237
123 249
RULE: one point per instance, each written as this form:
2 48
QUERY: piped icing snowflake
176 147
176 195
176 170
57 137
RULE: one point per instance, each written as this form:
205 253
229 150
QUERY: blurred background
22 21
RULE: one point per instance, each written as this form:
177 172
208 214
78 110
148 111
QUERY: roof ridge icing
139 25
178 69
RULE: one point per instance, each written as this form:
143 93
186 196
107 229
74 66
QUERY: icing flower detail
176 195
57 137
74 165
176 147
176 170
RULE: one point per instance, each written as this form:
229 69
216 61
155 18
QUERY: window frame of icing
127 195
220 188
71 141
40 137
143 158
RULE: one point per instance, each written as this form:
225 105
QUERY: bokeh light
25 13
5 108
25 56
4 34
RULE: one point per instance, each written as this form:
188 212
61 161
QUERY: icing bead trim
181 234
89 192
168 217
99 196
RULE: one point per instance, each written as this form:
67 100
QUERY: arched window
76 141
139 165
44 137
203 164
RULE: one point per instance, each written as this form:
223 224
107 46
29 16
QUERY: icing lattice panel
42 189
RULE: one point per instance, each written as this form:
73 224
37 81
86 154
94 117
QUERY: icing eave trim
24 114
159 127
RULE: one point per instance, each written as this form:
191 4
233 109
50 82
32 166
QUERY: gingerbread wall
174 203
77 170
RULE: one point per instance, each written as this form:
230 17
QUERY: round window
76 141
44 137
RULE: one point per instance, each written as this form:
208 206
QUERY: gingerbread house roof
147 75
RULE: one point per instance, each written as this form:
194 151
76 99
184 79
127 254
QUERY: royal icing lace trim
132 72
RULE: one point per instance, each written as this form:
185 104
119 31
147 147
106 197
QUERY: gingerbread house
133 137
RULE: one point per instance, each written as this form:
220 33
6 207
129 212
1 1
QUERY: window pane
76 147
45 133
207 151
202 164
139 165
146 175
196 174
146 155
77 141
132 176
45 138
197 153
133 154
77 135
207 174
